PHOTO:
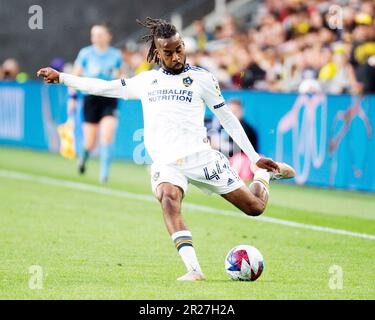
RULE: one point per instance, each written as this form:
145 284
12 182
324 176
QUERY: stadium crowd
292 45
311 45
10 71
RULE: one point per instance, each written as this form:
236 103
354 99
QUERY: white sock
184 244
262 176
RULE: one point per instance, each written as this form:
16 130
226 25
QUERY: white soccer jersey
173 109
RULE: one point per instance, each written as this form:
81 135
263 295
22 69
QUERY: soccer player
173 100
102 61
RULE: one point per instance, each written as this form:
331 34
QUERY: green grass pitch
95 242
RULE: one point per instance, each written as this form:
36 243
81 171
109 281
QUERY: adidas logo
155 81
230 181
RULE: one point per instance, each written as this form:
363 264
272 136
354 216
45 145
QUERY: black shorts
95 108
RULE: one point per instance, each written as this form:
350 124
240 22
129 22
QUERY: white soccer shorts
209 170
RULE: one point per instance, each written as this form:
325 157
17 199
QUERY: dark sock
86 155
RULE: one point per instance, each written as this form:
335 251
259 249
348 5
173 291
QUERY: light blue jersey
98 64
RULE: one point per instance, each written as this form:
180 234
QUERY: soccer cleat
192 275
81 166
286 172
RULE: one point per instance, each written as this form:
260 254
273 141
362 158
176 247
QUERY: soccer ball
244 262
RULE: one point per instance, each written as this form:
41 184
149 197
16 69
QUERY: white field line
133 196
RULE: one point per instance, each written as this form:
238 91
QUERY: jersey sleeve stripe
219 105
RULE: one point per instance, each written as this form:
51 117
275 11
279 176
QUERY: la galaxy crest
187 81
217 87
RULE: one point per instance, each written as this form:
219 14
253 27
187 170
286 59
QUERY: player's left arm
215 101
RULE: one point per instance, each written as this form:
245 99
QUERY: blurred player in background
102 61
173 101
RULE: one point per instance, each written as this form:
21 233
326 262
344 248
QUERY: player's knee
259 209
90 146
169 198
255 208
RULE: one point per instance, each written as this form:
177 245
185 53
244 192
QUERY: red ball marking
239 256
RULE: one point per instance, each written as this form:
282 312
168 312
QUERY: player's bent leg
250 200
170 198
253 200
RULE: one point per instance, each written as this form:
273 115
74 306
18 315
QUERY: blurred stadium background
304 72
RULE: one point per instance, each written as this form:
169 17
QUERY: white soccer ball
244 262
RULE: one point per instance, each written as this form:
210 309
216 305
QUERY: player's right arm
112 89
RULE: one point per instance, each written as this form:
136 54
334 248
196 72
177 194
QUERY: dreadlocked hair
159 28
